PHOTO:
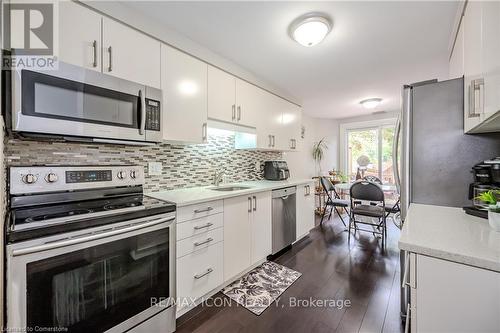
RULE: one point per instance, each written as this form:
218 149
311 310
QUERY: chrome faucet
218 177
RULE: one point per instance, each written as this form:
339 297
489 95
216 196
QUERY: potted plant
318 152
492 199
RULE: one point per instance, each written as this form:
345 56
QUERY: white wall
385 115
301 163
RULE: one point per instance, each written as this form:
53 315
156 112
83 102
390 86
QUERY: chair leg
349 232
330 215
341 218
322 216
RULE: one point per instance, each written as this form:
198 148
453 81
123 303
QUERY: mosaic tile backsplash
183 166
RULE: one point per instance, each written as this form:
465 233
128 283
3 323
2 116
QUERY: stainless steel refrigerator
433 156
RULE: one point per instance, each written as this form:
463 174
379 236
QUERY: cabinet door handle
476 89
110 51
254 203
199 276
249 204
274 141
239 112
204 132
208 240
203 210
306 193
408 318
294 144
270 140
233 112
405 283
199 227
94 53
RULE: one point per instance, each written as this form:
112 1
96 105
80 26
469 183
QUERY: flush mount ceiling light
310 29
370 103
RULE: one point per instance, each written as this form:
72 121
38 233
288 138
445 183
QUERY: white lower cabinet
247 232
199 251
199 272
260 226
452 297
198 242
305 209
199 226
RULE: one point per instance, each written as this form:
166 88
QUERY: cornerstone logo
29 34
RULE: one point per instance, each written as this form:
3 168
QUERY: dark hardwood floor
331 269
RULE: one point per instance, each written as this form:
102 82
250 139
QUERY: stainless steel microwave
79 104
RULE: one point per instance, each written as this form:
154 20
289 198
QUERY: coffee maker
486 177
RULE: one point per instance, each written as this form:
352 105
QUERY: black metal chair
395 210
365 191
334 202
373 179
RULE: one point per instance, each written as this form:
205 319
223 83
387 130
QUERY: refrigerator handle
405 158
395 150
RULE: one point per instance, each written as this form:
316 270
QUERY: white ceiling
374 47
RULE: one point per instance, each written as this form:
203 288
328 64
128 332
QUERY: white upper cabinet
481 28
221 95
248 103
490 57
184 86
457 56
79 36
269 123
472 65
292 122
129 54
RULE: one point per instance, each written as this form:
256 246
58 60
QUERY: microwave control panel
153 115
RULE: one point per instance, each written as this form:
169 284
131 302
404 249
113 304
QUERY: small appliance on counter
276 170
486 178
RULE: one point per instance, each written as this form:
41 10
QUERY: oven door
77 102
110 278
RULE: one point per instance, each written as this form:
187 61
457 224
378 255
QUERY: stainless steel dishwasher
284 218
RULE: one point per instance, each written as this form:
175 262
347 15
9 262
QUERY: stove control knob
29 178
134 174
51 178
121 175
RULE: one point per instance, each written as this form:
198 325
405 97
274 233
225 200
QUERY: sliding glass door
368 152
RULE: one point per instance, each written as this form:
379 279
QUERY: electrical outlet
154 168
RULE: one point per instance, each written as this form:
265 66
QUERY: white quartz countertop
448 233
193 195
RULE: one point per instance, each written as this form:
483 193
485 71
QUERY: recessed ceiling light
310 29
370 103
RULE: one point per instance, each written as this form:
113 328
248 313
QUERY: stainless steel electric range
87 251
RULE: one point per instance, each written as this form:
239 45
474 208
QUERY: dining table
343 189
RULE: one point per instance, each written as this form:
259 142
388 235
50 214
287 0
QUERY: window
366 149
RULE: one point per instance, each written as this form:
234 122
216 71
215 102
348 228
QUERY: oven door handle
92 236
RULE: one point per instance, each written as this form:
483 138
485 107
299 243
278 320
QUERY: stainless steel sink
230 188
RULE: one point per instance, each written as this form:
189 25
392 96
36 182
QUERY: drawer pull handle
203 210
204 242
208 225
199 276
